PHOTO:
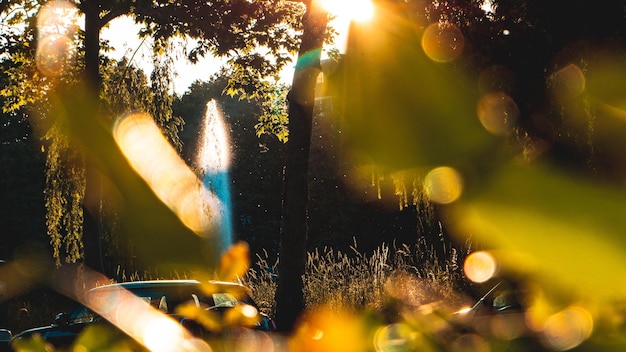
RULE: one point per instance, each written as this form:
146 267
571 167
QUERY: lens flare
508 326
568 82
567 328
443 42
480 266
443 185
396 337
497 112
131 314
57 17
249 311
156 161
56 28
54 55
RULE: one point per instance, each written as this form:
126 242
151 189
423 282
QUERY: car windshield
167 298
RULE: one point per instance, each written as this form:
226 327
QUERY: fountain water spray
214 162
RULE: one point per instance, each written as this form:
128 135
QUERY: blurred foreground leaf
401 107
565 231
36 344
234 263
158 235
328 329
104 338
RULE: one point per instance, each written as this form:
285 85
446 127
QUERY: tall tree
33 80
292 253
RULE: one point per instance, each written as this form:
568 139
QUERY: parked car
5 338
205 309
5 334
499 299
500 313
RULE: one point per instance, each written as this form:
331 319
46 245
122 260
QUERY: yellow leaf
234 263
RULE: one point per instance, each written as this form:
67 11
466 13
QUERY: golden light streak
156 161
128 313
162 335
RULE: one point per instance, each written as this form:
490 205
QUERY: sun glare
352 10
344 12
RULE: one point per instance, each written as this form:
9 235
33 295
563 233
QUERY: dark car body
164 295
499 313
5 338
5 334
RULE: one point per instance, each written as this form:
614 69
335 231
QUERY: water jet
213 161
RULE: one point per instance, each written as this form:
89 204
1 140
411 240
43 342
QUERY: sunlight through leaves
162 335
57 27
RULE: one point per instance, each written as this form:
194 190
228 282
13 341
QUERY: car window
167 298
81 315
505 300
224 300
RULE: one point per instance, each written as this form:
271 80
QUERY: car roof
155 284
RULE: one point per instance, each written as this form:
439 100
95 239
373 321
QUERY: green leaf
564 231
401 107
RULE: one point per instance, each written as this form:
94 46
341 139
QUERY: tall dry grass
416 274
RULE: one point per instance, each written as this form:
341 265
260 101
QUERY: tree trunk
93 192
301 99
